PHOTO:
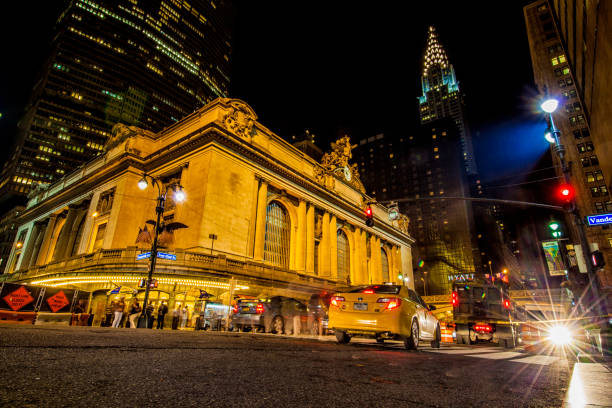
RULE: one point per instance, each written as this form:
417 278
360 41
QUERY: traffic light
566 193
598 260
555 229
369 214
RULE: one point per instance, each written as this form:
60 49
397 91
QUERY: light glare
549 105
142 184
179 196
549 137
559 335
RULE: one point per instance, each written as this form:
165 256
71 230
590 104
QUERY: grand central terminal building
259 218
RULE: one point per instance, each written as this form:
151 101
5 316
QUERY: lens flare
560 335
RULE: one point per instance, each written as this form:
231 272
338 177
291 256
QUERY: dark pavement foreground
105 367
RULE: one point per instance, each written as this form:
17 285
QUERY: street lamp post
552 135
179 196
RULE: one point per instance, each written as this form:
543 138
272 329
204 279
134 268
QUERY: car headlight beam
560 335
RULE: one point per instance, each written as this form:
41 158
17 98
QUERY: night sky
348 68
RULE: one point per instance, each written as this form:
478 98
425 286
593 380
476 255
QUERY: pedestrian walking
118 309
135 310
175 317
184 316
161 315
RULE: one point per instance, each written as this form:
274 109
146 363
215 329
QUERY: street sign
58 301
18 298
164 255
160 255
142 256
599 219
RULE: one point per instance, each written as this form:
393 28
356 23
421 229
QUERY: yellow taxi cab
384 312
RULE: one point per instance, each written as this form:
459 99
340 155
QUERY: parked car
214 316
384 312
272 315
318 311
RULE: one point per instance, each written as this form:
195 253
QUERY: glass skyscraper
145 63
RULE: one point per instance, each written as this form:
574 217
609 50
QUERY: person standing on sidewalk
184 316
118 310
175 317
161 315
135 310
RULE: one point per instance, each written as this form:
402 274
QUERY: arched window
276 247
75 246
385 265
344 256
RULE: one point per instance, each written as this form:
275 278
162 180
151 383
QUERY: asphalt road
106 367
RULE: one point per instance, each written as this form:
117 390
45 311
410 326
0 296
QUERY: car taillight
368 291
483 328
335 300
455 299
391 303
235 309
507 304
259 309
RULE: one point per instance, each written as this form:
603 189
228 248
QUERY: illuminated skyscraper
140 62
441 96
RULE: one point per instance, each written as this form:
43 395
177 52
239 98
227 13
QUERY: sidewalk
590 386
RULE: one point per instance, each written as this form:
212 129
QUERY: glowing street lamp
179 196
549 105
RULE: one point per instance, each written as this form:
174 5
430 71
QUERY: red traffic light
566 192
369 216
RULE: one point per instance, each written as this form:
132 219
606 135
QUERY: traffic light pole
573 210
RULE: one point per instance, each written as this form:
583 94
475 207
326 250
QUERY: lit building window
385 265
344 261
276 246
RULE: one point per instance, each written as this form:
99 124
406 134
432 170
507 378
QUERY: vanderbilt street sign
160 255
599 219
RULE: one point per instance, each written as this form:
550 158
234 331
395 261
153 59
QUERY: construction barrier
7 316
80 319
62 319
446 332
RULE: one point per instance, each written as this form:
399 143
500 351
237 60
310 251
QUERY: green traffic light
554 225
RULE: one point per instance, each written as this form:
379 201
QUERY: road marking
464 350
540 360
493 353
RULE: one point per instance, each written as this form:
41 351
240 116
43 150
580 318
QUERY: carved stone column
324 261
46 241
300 252
260 224
310 244
28 247
333 246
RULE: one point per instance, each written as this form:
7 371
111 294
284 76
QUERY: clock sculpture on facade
336 163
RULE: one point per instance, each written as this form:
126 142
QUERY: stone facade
87 229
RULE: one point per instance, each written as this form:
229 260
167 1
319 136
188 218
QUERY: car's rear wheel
438 337
278 325
412 342
342 337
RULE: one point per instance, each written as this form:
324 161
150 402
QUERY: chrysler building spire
434 53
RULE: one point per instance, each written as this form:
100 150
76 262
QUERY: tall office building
139 62
442 97
571 53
